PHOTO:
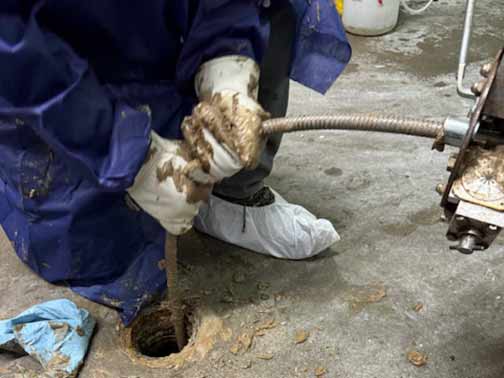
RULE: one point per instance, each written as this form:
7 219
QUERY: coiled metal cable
362 122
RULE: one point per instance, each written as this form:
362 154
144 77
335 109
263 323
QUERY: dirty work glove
224 131
169 186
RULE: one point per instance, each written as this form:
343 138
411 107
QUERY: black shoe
262 197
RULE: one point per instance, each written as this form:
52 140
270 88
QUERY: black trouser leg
274 98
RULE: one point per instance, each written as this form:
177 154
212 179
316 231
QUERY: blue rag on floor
56 333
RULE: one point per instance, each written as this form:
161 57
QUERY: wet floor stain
426 217
411 50
352 68
359 297
358 182
399 229
333 171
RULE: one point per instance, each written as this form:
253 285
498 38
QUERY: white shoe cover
281 229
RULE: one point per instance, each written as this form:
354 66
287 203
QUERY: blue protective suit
82 83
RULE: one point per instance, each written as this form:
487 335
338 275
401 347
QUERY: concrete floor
357 300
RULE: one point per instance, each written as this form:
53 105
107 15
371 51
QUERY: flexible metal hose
363 122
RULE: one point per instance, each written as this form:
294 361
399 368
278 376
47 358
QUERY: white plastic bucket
370 17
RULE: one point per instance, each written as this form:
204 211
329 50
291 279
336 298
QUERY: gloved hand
171 186
224 130
222 136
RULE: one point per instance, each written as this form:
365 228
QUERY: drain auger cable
362 122
174 295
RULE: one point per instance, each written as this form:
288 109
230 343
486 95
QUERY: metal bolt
452 159
485 69
468 244
478 87
440 188
491 227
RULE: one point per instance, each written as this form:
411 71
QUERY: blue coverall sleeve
220 28
44 84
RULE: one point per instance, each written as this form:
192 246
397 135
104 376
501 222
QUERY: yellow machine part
339 6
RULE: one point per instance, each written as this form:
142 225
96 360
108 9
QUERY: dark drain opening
153 334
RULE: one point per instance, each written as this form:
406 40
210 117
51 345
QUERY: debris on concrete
376 296
417 358
235 348
242 343
246 339
268 324
418 307
260 333
265 356
301 336
320 372
362 296
247 365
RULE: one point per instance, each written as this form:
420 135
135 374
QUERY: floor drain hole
153 334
